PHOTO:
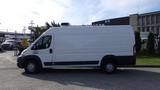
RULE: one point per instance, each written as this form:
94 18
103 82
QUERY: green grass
148 60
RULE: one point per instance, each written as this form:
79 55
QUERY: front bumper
20 62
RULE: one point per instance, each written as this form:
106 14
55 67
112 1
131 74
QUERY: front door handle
50 51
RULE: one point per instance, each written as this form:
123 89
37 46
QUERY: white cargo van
104 46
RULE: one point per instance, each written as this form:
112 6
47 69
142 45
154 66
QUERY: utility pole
15 35
31 23
31 28
24 31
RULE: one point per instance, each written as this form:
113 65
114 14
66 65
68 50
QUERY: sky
17 14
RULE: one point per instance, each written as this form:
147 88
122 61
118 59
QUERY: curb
144 66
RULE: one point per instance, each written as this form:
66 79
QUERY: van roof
89 26
125 28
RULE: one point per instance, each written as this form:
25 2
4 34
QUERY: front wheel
32 67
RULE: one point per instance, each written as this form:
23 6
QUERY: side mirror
33 47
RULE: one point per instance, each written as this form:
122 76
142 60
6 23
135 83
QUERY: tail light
134 50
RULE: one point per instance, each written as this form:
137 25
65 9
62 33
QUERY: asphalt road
13 78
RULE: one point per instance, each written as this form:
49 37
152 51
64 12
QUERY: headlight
23 53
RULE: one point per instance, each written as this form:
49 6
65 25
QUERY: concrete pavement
13 78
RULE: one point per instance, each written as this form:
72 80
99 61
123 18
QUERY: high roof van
106 47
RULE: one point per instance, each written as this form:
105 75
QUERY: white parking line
11 60
8 56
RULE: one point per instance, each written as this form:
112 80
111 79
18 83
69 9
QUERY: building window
143 29
143 20
158 18
157 30
152 30
147 20
107 21
148 29
140 21
152 19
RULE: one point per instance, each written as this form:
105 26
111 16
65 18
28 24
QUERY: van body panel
86 45
92 43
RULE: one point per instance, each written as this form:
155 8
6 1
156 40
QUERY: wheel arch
32 58
108 58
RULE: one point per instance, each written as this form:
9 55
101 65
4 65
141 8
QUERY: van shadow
93 78
2 51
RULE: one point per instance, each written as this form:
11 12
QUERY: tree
37 31
53 24
137 41
159 46
150 44
47 25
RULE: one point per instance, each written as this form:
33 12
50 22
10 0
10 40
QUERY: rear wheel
109 67
32 67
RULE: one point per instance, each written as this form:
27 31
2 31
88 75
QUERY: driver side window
42 43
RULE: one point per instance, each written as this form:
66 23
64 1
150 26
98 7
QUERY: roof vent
65 24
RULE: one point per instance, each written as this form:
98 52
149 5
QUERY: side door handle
50 51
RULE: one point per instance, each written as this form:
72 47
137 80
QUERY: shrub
159 46
143 52
137 42
150 44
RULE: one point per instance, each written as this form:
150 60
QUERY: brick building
146 22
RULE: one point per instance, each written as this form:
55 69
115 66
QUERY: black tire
32 67
109 67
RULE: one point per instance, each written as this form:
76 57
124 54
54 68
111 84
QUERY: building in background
147 22
114 21
14 36
2 37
